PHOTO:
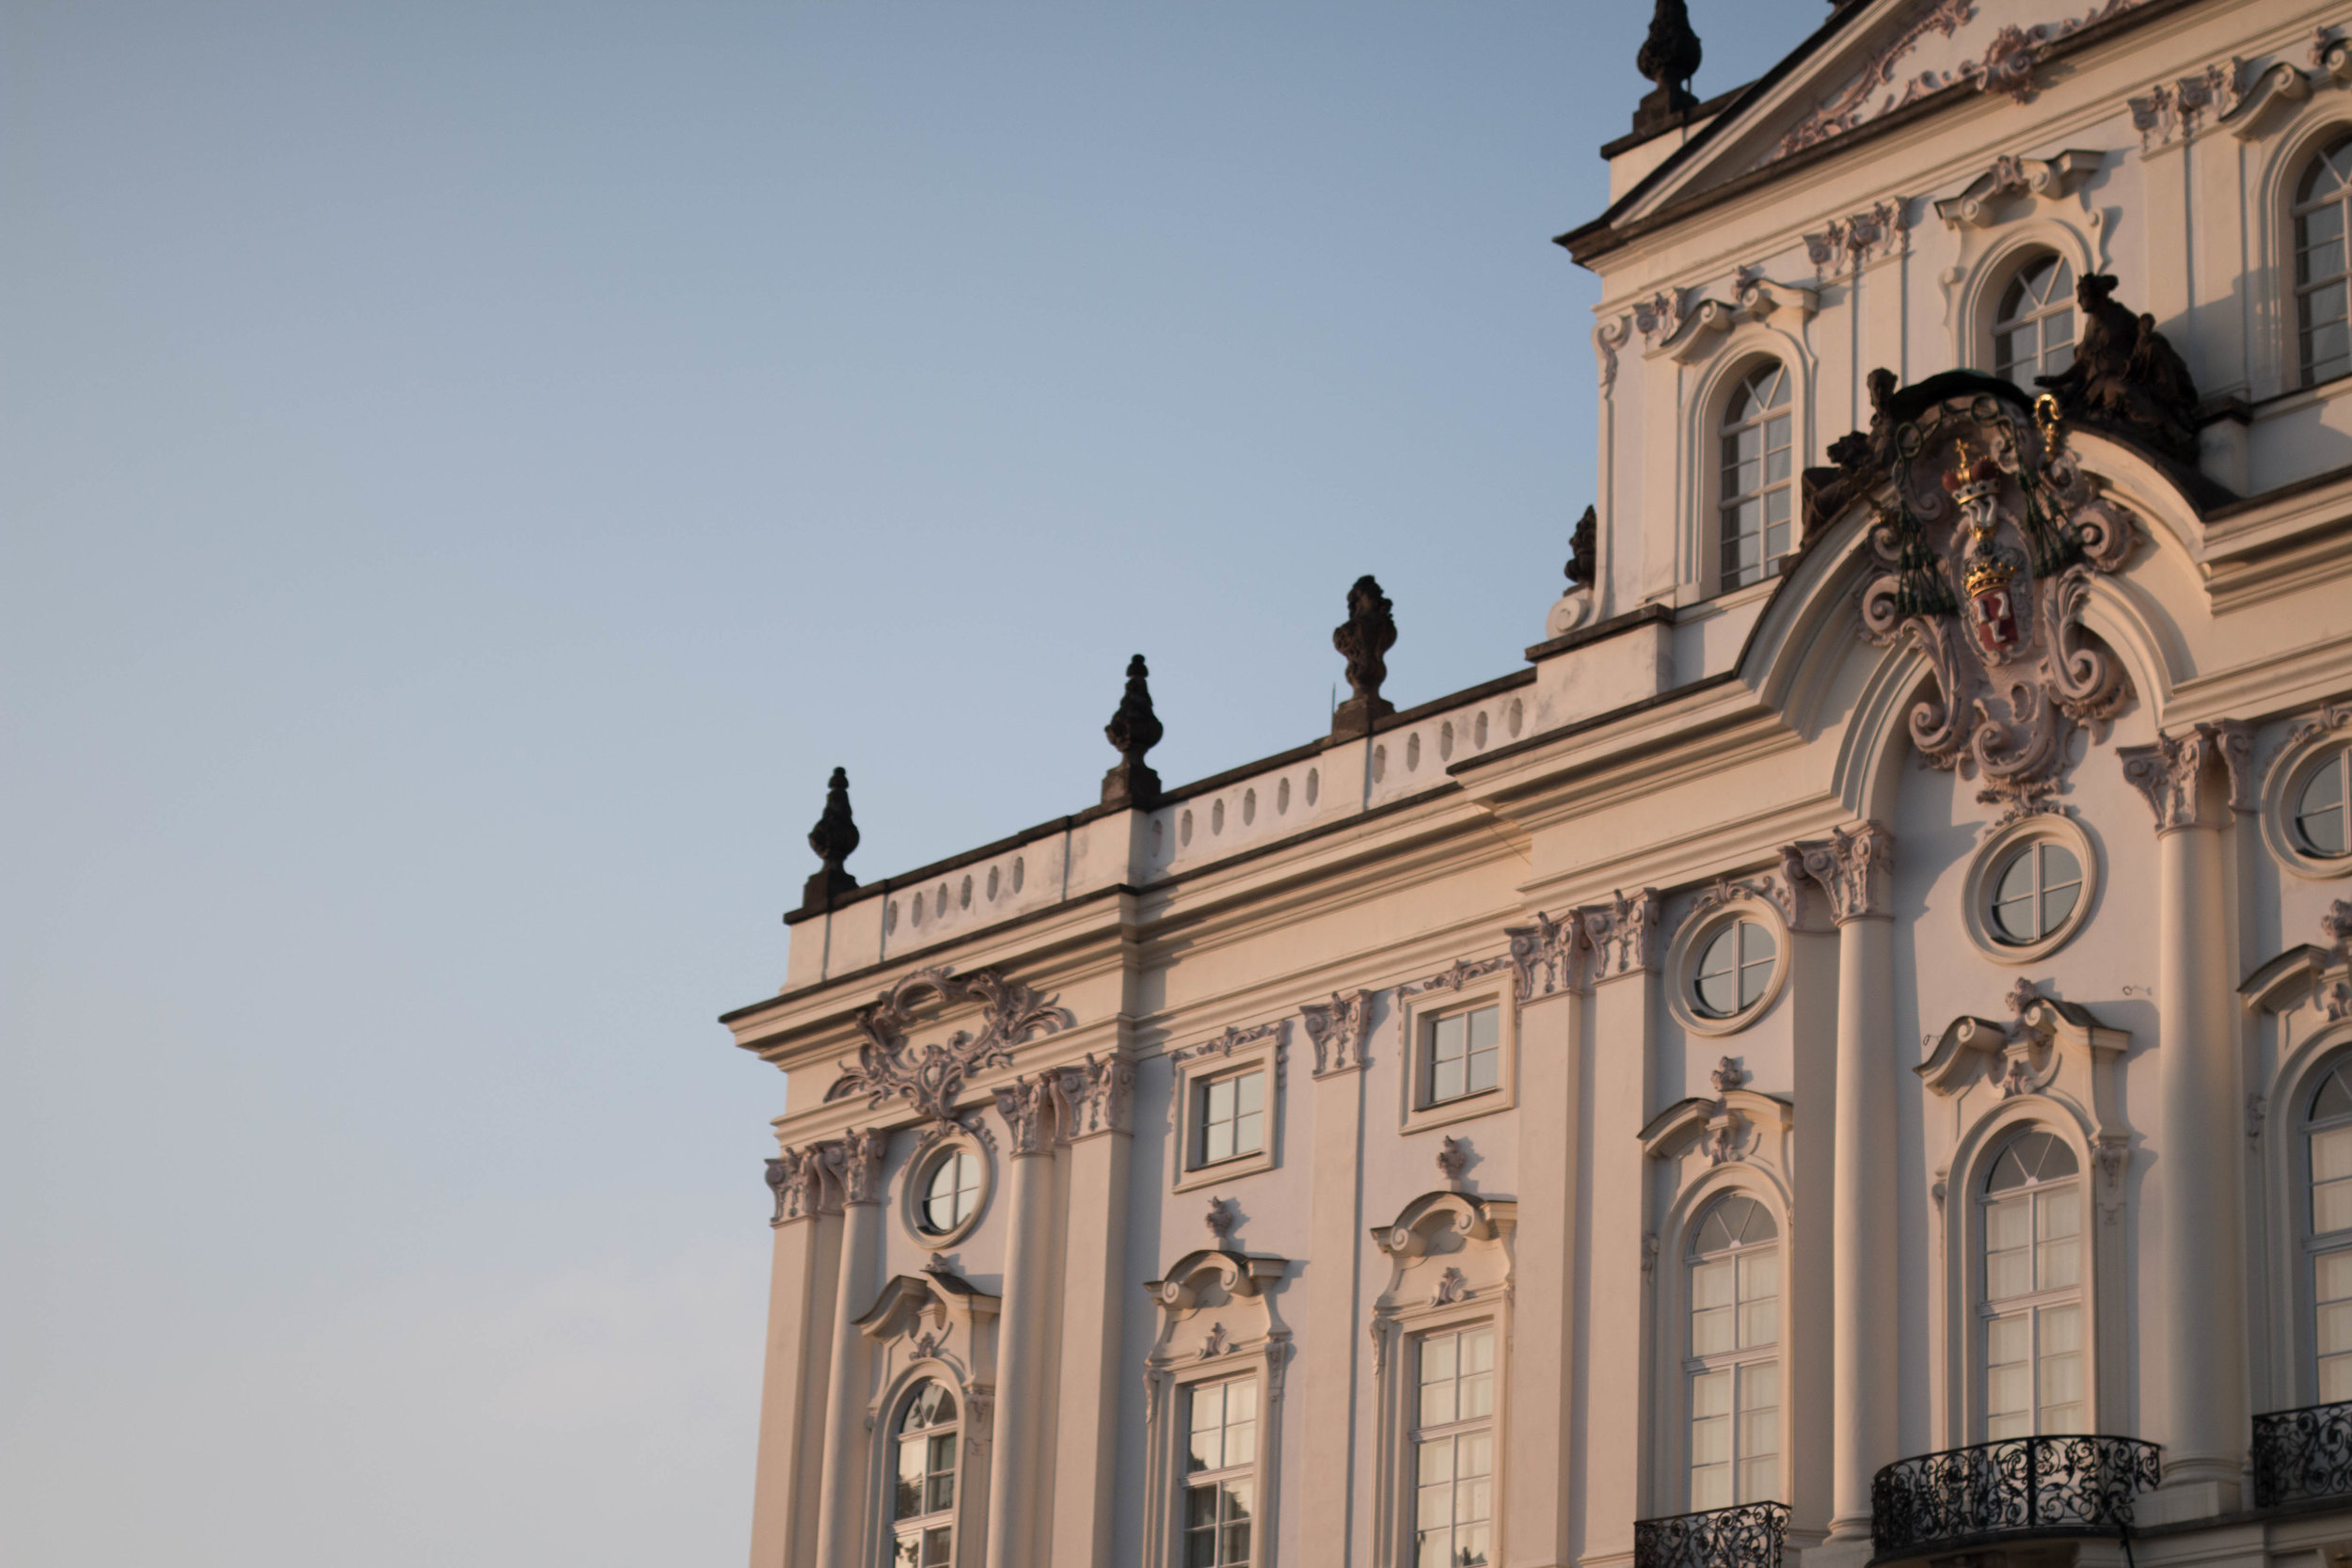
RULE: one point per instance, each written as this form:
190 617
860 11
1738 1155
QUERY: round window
1734 969
2323 808
2037 889
951 1193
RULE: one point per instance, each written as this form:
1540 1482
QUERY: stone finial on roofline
1364 637
1669 57
834 837
1134 730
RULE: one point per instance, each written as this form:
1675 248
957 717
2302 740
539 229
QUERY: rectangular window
1453 1448
1465 1055
2034 1372
1220 1474
2333 1274
1230 1115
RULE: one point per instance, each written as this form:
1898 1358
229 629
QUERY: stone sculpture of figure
834 837
2127 375
1369 633
1669 57
1858 461
1134 730
1583 545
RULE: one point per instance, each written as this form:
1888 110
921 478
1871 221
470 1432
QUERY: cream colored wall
1154 941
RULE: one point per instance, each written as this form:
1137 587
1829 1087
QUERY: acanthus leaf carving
1547 945
1454 976
855 1160
797 1176
1096 1097
1026 1106
932 1080
2170 773
1854 867
1339 1029
1623 933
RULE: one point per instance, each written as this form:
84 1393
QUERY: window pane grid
2033 331
2320 281
1220 1489
1754 524
2323 808
1465 1055
923 1495
1454 1449
2030 1310
1231 1118
1733 1372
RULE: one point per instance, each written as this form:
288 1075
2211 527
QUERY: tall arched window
2321 295
1733 1366
2031 1310
1757 491
2328 1128
2033 331
923 1499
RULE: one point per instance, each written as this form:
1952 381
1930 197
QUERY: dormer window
2033 332
1757 500
2323 335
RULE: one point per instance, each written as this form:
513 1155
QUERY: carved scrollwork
932 1080
1339 1029
1096 1097
1026 1104
1550 946
797 1178
1854 867
1623 933
1985 573
2170 773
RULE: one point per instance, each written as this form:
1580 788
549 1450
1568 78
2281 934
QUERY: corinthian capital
1854 865
1338 1028
1623 933
1026 1106
797 1176
856 1161
2173 773
1098 1096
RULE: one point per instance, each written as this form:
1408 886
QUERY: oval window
1734 968
2035 893
951 1191
2323 808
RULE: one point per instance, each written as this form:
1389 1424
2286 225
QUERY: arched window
1220 1474
923 1499
2033 331
2322 333
1733 1364
2328 1125
1757 499
2032 1311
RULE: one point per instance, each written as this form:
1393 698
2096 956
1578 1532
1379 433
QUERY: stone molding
855 1160
1027 1104
1622 933
1096 1097
2010 174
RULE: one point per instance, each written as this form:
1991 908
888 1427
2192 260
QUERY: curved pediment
910 1299
1212 1275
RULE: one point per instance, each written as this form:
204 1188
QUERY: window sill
1225 1171
1466 1107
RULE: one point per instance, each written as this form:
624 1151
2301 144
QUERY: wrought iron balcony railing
2302 1453
1747 1536
2017 1486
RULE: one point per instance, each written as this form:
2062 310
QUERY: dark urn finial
1134 730
1583 545
834 837
1369 633
1669 57
2126 377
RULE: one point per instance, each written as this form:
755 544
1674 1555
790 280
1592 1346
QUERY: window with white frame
1462 1055
2328 1131
1229 1117
951 1191
1734 969
2034 892
1220 1474
923 1495
2321 803
2323 292
1732 1366
2033 331
2030 1312
1454 1447
1758 482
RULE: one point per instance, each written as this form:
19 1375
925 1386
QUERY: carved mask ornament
1987 547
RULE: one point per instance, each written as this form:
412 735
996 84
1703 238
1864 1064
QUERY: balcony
1748 1536
2016 1489
2302 1454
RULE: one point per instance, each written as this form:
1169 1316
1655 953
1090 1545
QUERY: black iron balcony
2302 1453
1748 1536
2020 1486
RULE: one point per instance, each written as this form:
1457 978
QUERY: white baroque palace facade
1844 1052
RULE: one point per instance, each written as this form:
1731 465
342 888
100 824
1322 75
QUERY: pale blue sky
469 471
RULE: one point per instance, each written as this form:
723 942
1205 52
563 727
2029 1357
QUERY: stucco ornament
1988 543
1549 946
1623 933
1096 1097
2335 996
1338 1028
931 1079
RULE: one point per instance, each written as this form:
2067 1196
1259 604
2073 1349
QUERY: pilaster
1329 1348
853 1164
1096 1108
1023 1342
802 1282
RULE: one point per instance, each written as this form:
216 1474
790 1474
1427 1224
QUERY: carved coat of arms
1987 547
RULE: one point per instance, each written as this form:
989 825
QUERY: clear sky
467 472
